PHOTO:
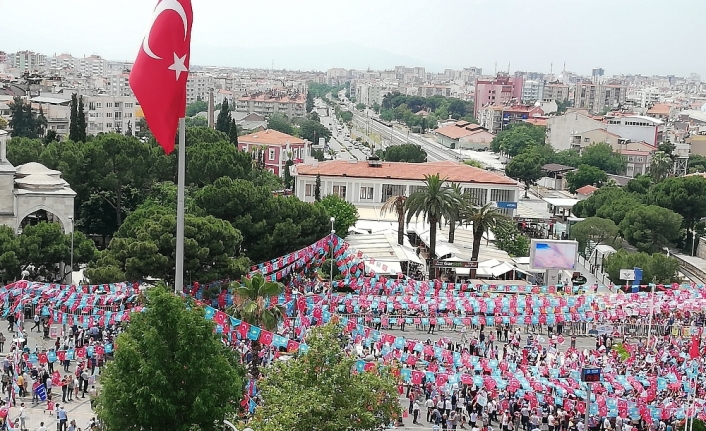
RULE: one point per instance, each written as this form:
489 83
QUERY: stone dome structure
34 168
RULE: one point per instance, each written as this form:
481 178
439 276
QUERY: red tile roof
452 171
660 109
537 121
269 137
459 130
586 190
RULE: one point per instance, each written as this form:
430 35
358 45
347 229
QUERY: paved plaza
78 410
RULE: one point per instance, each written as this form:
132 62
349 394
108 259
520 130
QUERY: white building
371 183
532 91
637 128
198 86
370 93
108 114
119 84
562 128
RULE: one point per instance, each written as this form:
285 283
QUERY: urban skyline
311 36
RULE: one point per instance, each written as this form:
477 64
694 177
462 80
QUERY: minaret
211 110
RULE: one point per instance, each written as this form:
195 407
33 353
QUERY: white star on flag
179 65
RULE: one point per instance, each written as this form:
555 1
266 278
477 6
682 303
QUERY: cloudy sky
622 36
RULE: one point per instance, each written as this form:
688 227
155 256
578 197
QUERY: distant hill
307 57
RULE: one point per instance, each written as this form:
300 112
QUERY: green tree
683 195
3 123
517 139
396 205
312 131
434 202
649 227
233 133
195 122
271 225
144 247
81 122
309 101
317 188
252 302
223 120
660 166
49 137
600 155
23 121
593 231
410 153
210 161
455 214
196 107
10 265
319 391
483 219
360 106
288 179
526 168
171 360
279 122
566 158
73 118
695 164
345 213
603 196
314 116
639 185
509 239
24 150
318 155
656 268
585 175
617 210
376 107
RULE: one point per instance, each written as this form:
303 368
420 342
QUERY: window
117 104
586 139
109 114
366 193
99 105
108 125
271 154
639 159
118 114
631 159
310 190
128 105
109 105
340 191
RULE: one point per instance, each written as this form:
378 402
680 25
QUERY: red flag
158 77
695 347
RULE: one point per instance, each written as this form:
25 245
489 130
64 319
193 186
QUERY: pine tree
73 119
309 101
223 120
81 121
233 133
40 123
317 188
288 180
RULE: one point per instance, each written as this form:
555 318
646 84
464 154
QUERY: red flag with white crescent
159 75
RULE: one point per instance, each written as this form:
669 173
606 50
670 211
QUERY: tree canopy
517 139
657 267
346 213
320 390
24 122
649 227
593 231
280 123
585 175
410 153
526 168
170 371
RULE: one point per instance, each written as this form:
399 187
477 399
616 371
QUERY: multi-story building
491 118
500 90
555 92
111 113
519 113
532 91
597 96
198 85
371 183
637 162
275 148
637 128
93 65
118 84
463 134
561 129
291 105
29 60
370 93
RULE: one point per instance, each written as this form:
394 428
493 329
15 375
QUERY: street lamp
333 231
71 274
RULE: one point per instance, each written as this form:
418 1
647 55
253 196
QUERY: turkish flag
158 77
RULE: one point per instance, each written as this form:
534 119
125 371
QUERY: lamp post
71 274
652 309
330 286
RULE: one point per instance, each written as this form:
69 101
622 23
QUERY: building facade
371 183
637 128
268 103
561 129
596 96
500 90
274 149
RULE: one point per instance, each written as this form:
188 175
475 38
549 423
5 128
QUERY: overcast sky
622 36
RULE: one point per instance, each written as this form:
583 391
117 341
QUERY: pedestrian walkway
78 410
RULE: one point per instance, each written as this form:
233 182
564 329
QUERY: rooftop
452 171
269 137
459 130
660 109
586 190
556 167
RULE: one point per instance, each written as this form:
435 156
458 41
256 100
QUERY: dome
34 168
40 181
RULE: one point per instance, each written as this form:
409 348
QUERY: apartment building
266 104
637 128
597 96
109 114
118 84
370 93
29 60
532 91
561 129
500 90
555 92
198 85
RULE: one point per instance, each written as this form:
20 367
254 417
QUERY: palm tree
455 211
396 204
250 302
483 219
434 202
660 166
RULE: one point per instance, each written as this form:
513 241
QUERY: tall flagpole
179 276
